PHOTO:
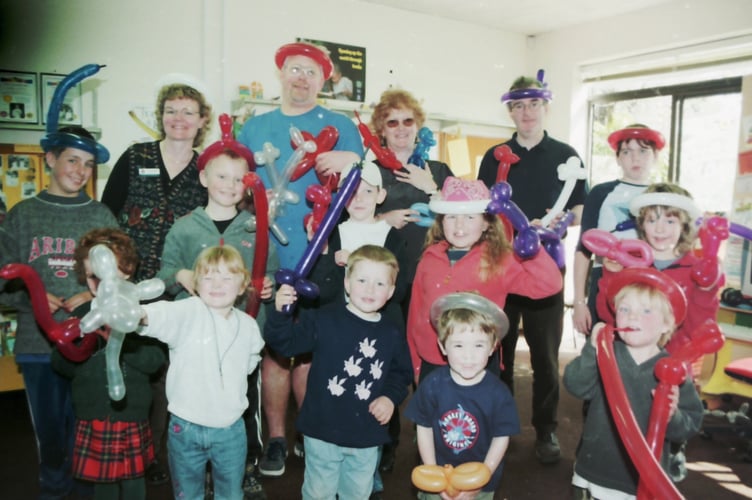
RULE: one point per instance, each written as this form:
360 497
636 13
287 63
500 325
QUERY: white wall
456 68
673 24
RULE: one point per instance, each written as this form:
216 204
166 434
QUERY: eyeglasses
407 122
532 105
301 71
188 113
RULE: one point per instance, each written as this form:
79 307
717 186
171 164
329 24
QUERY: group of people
438 307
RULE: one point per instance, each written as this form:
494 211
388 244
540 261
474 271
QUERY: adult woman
155 183
151 186
396 120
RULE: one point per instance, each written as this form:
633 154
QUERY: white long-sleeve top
210 359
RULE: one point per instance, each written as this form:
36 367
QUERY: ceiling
528 17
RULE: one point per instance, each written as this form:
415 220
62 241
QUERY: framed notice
19 91
70 108
348 80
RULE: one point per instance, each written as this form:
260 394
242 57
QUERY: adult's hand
334 162
421 178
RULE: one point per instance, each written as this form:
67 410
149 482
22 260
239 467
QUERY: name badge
148 172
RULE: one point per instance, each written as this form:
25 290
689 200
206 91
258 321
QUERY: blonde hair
373 253
182 91
497 244
648 294
211 257
453 320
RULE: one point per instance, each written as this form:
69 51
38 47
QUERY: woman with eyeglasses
151 186
396 120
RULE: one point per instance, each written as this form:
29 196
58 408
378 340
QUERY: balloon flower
252 182
296 278
452 480
386 156
569 172
65 335
116 305
419 155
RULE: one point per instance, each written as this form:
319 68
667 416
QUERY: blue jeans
51 409
332 470
190 446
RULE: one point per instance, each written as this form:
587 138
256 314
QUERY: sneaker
273 461
299 449
547 449
252 487
677 466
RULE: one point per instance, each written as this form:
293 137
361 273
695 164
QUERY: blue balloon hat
55 138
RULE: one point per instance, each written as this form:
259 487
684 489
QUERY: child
359 374
42 232
467 251
113 443
648 305
665 216
222 167
360 228
464 413
607 205
213 347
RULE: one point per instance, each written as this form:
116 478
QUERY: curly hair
688 232
116 240
181 91
395 99
497 245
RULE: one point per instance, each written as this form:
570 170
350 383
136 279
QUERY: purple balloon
527 243
741 231
316 245
556 250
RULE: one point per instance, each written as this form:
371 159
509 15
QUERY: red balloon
506 158
386 156
261 253
325 141
321 197
62 334
652 476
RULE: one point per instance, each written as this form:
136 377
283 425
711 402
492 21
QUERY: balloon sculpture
64 335
628 252
506 158
386 156
260 225
420 153
296 278
116 305
569 172
452 480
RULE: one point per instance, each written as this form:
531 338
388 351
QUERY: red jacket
536 278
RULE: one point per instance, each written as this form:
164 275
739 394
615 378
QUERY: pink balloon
261 253
628 253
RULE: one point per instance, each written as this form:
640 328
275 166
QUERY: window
700 122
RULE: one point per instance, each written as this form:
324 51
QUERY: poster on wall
70 110
348 80
19 91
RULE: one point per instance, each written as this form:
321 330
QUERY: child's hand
268 289
340 257
462 495
381 408
71 303
55 303
673 398
185 278
611 265
286 295
399 218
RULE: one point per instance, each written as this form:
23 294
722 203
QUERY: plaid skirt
107 451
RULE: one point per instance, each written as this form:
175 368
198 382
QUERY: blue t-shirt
274 127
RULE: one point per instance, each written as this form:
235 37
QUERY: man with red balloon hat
303 69
536 187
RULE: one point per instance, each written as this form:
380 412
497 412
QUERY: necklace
221 358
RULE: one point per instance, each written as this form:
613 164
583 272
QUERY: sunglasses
407 122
